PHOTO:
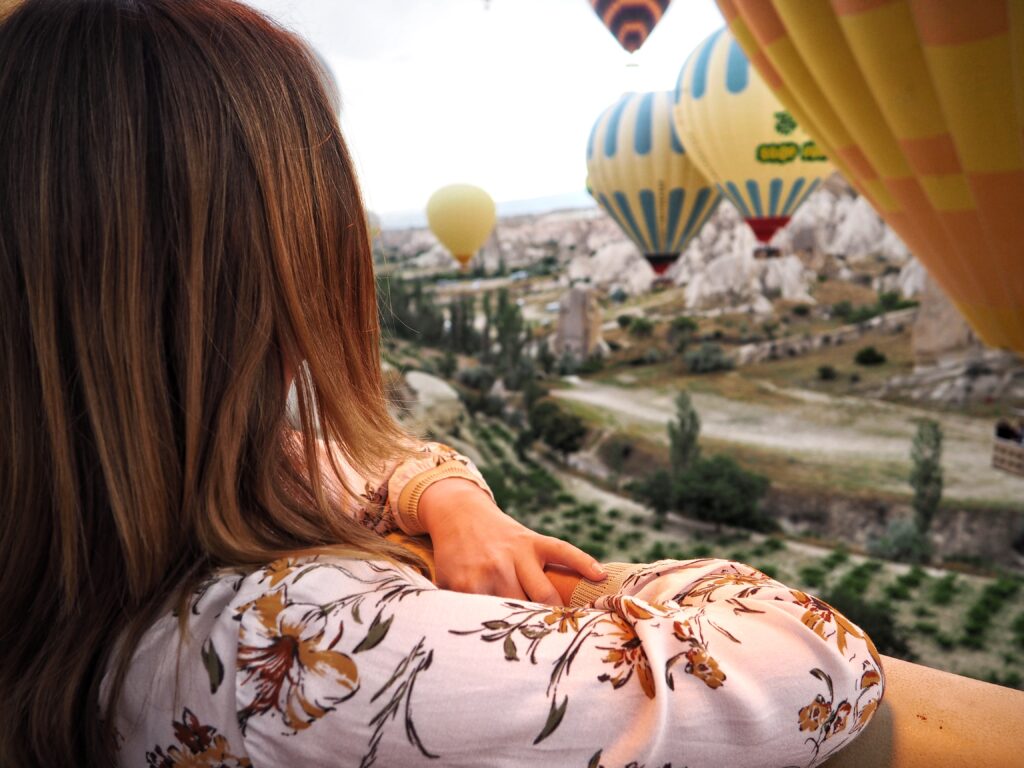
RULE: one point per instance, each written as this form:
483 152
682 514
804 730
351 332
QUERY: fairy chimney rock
579 323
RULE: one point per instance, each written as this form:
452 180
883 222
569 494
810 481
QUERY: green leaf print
554 720
378 631
213 665
510 649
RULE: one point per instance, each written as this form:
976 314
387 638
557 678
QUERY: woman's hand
480 549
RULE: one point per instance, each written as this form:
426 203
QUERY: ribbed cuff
409 499
588 591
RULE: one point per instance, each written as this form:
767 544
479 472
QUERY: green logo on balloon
784 123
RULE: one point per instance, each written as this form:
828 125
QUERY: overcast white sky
442 91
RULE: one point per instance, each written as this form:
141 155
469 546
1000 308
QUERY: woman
187 581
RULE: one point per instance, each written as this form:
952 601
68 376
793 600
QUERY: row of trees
410 311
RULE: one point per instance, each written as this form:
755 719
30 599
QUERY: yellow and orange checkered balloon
921 104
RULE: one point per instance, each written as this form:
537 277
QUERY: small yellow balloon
461 216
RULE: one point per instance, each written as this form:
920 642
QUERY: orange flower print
869 678
702 666
280 569
815 713
199 746
838 723
287 667
566 618
820 615
626 657
865 714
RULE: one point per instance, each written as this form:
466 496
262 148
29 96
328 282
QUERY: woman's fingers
553 550
538 587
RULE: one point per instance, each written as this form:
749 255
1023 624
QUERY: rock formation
579 324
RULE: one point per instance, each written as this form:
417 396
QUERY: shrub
869 356
720 491
624 321
592 364
812 576
1017 627
560 429
836 557
707 358
944 589
842 309
641 327
897 591
479 378
858 578
683 324
827 373
653 356
656 491
657 551
801 310
681 331
988 604
876 619
595 549
902 541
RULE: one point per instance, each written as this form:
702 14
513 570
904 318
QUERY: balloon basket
1008 456
766 252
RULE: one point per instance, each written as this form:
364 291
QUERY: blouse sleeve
687 664
389 501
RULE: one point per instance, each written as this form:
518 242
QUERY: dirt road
870 437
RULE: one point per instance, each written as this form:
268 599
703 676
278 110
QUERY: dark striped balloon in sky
630 21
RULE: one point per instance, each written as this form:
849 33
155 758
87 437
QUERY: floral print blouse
328 661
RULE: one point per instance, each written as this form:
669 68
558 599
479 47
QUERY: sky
501 94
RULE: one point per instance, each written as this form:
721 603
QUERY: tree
707 358
720 491
561 430
655 490
681 331
683 434
876 619
448 364
545 357
641 327
926 473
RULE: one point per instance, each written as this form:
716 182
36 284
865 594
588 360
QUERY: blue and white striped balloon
639 172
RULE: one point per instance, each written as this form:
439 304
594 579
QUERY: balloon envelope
742 138
921 105
630 21
641 175
461 216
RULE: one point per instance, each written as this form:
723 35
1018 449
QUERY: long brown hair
179 222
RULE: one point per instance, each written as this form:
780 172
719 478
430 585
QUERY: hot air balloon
461 216
640 174
630 21
743 139
921 104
